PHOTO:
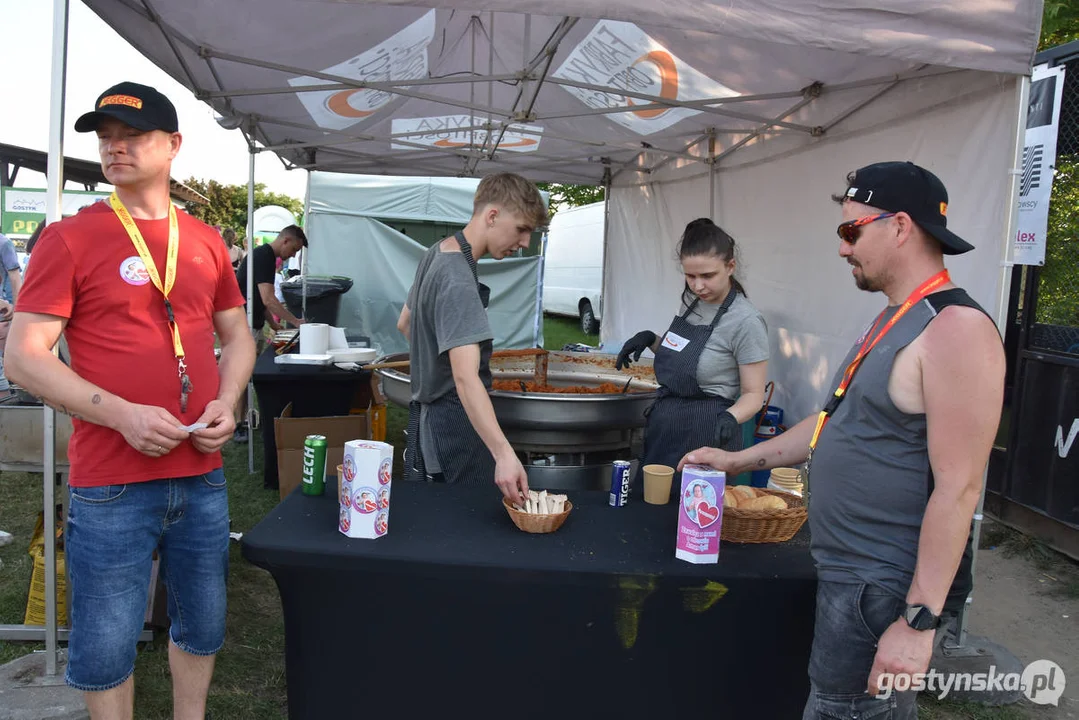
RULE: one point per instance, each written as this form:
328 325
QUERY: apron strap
727 302
466 250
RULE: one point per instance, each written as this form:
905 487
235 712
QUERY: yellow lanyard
868 344
147 260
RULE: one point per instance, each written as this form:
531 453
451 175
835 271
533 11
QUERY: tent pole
303 256
1022 91
712 174
53 212
606 254
307 204
251 288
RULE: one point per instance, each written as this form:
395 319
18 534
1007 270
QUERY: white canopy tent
750 110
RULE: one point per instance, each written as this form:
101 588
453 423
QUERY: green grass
20 503
561 331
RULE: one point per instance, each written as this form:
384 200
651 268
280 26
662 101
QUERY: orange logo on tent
121 100
338 103
668 76
944 208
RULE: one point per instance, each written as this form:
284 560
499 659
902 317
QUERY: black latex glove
634 346
727 428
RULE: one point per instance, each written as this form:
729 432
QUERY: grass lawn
249 681
561 331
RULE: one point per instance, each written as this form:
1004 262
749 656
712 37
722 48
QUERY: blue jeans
850 620
112 532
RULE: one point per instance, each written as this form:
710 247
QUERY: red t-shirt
86 269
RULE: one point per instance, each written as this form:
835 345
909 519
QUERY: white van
573 265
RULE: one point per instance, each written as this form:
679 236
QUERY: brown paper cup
657 484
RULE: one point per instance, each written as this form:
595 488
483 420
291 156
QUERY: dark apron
459 448
683 417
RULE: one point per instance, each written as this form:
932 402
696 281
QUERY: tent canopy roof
548 89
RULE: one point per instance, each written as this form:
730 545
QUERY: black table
456 610
313 390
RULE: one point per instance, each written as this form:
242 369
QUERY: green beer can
314 465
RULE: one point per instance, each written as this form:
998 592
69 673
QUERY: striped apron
683 417
460 451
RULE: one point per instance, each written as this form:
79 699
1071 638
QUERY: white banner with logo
457 131
33 201
401 57
621 55
1039 157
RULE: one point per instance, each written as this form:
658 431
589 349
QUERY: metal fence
1056 310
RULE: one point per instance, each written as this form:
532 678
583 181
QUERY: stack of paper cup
365 480
314 338
787 480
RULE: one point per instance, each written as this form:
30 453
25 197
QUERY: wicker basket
764 526
532 523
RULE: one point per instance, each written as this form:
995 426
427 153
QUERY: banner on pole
1039 158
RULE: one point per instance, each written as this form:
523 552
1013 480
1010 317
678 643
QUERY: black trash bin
323 297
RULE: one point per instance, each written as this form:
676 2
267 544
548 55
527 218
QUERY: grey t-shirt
740 338
446 312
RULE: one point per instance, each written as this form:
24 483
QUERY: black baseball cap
140 106
906 187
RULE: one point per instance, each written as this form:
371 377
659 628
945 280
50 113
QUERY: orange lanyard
868 344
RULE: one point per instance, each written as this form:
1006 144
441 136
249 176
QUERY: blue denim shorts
112 532
850 620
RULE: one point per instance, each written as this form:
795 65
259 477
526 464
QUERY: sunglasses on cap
850 231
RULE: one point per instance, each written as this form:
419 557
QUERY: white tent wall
382 263
780 212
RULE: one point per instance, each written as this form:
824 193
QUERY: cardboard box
290 432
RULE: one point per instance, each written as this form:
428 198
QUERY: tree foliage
1060 23
1058 286
228 203
567 196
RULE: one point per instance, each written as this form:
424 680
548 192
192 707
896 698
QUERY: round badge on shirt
133 271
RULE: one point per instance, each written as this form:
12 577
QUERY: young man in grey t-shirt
453 432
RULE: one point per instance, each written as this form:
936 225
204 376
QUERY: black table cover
313 390
457 611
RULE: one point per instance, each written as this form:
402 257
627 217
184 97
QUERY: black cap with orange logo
140 106
906 187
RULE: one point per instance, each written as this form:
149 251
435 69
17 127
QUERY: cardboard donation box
290 433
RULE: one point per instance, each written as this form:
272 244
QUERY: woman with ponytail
712 363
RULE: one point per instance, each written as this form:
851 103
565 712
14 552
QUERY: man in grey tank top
897 462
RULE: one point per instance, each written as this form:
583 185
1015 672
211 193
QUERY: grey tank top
870 476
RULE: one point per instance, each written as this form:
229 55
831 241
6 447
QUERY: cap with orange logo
906 187
140 106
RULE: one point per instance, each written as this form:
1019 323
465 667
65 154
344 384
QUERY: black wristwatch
919 617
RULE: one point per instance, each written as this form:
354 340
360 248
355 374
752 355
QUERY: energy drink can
314 465
619 483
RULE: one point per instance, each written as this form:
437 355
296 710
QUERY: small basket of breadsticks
759 515
541 512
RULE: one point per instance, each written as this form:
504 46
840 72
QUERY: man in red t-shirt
139 290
